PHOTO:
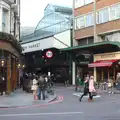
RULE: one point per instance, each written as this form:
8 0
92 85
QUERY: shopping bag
94 93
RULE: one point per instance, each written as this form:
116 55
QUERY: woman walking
91 89
86 88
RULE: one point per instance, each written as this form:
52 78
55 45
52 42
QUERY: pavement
105 107
20 98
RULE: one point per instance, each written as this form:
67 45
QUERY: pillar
73 73
15 85
13 74
9 75
95 75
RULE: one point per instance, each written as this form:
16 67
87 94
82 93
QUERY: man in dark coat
42 86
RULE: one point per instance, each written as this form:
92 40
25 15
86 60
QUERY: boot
89 100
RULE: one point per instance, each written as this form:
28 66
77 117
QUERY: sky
32 10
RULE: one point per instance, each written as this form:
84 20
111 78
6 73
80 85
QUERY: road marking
41 114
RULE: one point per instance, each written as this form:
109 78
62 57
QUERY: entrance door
3 79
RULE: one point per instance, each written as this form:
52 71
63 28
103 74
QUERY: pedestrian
118 81
92 91
86 88
21 82
35 89
77 82
42 86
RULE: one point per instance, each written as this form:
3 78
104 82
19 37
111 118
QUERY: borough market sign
37 45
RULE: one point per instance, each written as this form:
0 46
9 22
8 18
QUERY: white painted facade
59 41
9 14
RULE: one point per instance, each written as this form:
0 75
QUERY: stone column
9 75
73 73
95 75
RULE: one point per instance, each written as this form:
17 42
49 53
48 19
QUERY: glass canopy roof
56 19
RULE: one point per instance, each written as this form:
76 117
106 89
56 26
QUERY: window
89 20
115 12
77 23
118 12
4 20
82 22
88 1
103 16
79 3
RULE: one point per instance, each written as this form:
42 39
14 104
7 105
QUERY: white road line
41 114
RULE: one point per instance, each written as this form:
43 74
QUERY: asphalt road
104 108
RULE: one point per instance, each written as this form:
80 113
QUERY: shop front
106 66
95 49
10 55
82 65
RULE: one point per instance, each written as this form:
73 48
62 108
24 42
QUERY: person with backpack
42 86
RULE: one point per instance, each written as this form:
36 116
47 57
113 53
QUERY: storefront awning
99 47
102 63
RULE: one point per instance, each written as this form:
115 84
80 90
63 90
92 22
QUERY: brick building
98 21
107 21
96 38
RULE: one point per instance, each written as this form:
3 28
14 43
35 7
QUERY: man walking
42 86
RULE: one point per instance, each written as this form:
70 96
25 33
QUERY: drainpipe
14 24
95 32
10 19
19 17
73 22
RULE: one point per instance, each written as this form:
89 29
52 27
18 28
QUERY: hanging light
19 65
23 66
3 62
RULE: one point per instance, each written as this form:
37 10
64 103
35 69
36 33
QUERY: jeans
41 93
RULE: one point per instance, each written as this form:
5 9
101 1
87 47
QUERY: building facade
10 49
52 33
107 21
96 21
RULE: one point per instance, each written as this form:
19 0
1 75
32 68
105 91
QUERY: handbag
33 87
94 93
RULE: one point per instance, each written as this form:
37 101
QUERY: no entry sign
49 54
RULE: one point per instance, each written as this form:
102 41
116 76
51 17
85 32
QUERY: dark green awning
96 47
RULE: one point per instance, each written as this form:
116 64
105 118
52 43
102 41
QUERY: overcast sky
32 10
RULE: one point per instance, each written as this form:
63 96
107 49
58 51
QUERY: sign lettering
31 46
108 56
